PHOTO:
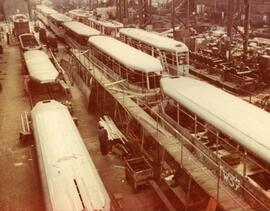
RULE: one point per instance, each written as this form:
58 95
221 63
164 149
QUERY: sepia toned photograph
134 105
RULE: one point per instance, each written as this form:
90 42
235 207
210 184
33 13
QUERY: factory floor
20 187
19 182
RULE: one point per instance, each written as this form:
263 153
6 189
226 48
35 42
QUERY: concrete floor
19 183
20 187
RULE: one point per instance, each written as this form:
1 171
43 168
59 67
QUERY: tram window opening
182 58
134 77
153 80
187 120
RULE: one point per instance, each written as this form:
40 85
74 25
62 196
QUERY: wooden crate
138 172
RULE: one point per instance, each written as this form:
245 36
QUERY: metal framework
178 7
121 9
171 144
145 13
234 14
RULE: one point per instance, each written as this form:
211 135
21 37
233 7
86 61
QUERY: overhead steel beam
121 9
145 12
246 28
230 13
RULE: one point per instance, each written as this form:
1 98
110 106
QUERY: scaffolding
234 15
173 145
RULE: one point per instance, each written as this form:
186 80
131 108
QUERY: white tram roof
19 18
79 12
126 55
61 17
156 40
106 23
80 28
244 122
65 159
40 67
46 9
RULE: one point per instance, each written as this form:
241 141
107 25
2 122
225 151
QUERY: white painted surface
244 122
81 29
156 40
126 54
64 158
40 67
107 23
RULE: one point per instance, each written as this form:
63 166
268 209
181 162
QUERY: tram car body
79 15
232 132
43 12
77 34
106 27
40 67
29 42
175 53
70 180
21 24
56 21
140 70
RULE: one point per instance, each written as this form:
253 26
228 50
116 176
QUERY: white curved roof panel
156 40
19 18
80 28
126 55
69 176
244 122
40 67
79 13
45 9
107 23
61 17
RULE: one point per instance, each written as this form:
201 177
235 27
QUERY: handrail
163 123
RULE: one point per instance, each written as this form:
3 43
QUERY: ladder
163 60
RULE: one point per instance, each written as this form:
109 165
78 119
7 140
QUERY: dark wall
11 7
1 10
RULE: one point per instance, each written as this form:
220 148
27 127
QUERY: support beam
121 9
173 17
145 12
230 12
234 7
188 18
246 28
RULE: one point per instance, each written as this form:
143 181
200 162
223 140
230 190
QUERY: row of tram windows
81 39
104 30
139 45
95 26
79 19
203 131
135 77
171 57
55 22
176 58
